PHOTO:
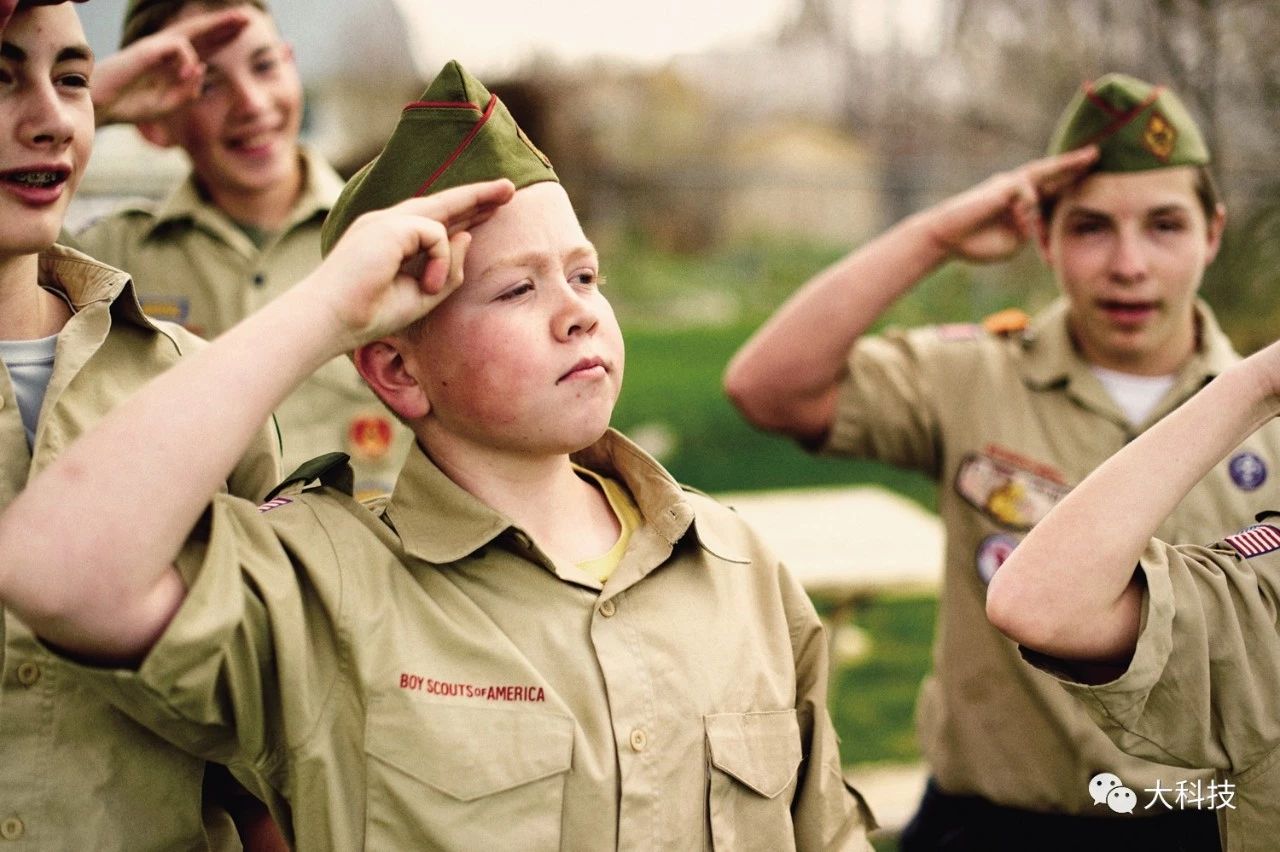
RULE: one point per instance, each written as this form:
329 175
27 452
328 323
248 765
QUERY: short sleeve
1202 687
245 667
886 407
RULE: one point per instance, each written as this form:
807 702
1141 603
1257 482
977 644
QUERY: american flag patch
1255 540
281 501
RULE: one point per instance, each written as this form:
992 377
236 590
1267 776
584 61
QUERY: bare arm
785 378
86 550
160 73
1070 588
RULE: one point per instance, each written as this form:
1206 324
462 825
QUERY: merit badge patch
1248 470
168 308
1255 540
992 553
274 504
369 437
1160 136
1010 493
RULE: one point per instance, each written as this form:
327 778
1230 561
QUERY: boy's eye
1170 225
265 66
516 291
75 81
587 277
1086 226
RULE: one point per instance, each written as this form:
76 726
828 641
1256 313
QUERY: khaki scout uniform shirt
194 266
1007 425
74 772
1203 687
430 680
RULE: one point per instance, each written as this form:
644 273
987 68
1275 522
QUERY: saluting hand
993 219
393 266
164 71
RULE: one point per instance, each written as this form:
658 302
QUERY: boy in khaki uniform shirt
244 227
540 641
1178 660
1007 419
77 773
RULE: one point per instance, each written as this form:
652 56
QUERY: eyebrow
535 259
73 53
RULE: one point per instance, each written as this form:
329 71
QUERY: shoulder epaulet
332 469
1006 323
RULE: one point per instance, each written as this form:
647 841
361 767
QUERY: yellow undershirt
628 515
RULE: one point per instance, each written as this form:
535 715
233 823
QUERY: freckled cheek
492 387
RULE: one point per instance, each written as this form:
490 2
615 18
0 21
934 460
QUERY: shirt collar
320 189
457 523
1050 357
85 281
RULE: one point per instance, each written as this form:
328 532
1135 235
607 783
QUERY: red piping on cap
440 105
1118 119
462 146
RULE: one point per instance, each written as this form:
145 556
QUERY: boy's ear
157 133
382 365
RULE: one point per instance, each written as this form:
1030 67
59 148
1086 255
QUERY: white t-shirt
1137 396
30 366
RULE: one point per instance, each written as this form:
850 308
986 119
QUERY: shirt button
28 674
639 739
259 279
607 609
12 828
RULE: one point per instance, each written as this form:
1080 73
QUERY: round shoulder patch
1248 470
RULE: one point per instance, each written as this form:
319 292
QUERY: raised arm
785 378
160 73
86 550
1070 589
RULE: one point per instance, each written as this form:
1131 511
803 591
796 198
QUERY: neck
570 519
27 312
268 208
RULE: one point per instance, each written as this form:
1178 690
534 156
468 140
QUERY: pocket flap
469 752
761 750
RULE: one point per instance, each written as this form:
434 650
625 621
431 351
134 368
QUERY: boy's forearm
798 356
133 487
1069 588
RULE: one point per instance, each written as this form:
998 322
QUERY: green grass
873 700
673 378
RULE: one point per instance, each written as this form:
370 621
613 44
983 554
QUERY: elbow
771 405
1013 610
743 388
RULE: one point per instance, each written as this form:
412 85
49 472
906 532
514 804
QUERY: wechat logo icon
1106 788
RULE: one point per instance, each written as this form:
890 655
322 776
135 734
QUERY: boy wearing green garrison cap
1007 417
244 226
539 641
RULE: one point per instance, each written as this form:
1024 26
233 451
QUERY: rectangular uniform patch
1255 541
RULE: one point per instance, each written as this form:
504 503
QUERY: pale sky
499 35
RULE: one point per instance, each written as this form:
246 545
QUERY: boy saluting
540 640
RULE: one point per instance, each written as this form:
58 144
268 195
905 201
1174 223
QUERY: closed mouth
581 366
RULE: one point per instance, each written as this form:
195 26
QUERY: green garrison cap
1135 125
457 133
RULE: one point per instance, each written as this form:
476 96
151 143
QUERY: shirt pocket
450 777
754 759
